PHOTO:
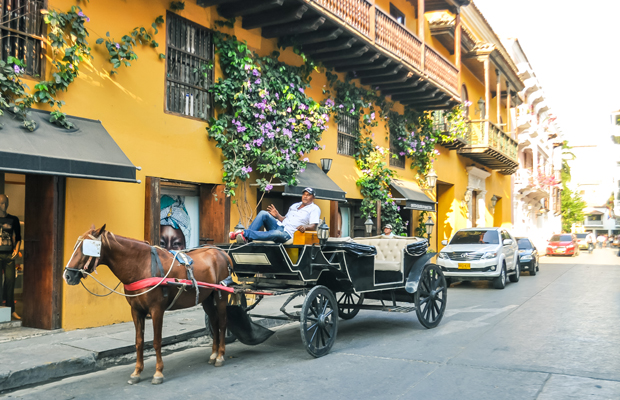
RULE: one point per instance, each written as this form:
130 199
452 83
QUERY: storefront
34 167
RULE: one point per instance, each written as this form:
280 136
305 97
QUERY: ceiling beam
247 7
338 44
353 52
365 59
268 18
323 35
391 70
365 67
303 26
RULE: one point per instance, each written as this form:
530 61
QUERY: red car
565 244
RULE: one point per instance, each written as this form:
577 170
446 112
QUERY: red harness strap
150 282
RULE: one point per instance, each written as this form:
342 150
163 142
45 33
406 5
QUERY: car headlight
489 254
526 258
443 256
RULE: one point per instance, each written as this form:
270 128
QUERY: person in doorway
174 223
10 243
387 231
302 216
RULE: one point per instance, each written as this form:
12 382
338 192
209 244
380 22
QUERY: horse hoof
219 363
133 380
157 380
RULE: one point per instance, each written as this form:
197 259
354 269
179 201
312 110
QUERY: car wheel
500 281
533 268
515 277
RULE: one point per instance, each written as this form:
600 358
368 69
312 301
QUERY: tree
572 208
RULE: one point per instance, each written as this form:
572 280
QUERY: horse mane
105 238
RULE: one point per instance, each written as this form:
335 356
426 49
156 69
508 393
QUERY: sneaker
233 235
241 238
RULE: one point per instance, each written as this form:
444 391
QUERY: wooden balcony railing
384 31
485 133
440 69
397 39
457 139
356 13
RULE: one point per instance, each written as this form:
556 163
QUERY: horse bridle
84 271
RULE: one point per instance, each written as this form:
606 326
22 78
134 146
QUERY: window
188 53
440 123
524 244
394 151
465 99
21 31
475 237
397 14
347 129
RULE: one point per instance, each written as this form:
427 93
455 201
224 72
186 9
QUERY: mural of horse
131 261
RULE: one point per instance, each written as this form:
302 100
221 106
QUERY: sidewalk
33 356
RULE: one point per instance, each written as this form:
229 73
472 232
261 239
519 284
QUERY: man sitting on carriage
302 216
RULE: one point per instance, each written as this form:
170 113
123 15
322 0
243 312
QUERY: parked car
528 255
480 254
565 244
581 240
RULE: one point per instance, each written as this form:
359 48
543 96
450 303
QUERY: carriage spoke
312 326
424 300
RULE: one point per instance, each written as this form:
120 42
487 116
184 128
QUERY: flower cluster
267 123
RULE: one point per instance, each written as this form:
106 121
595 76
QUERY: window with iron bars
21 33
394 151
347 128
189 52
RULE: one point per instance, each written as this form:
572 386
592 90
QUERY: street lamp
431 179
326 164
368 224
429 227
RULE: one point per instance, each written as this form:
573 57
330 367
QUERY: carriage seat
290 241
390 251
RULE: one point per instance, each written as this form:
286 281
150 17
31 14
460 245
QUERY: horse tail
230 263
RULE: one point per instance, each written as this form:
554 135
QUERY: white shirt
310 214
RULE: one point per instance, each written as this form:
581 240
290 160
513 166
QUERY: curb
93 361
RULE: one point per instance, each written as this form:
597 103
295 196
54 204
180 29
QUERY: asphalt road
551 336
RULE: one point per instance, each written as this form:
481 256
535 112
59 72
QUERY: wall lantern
494 201
482 108
429 227
323 233
239 226
431 179
326 164
368 225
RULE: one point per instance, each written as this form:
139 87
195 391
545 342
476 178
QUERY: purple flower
271 135
261 116
257 81
87 19
329 103
292 120
307 136
248 67
315 148
308 124
372 115
287 133
402 153
288 109
268 188
301 90
241 129
255 72
81 14
306 159
247 147
341 106
303 107
352 110
16 68
278 96
256 115
302 170
118 46
292 86
398 208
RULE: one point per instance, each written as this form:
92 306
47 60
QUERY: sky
573 50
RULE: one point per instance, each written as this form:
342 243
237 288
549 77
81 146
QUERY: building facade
138 151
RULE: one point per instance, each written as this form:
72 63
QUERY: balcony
524 118
358 37
593 223
443 126
490 146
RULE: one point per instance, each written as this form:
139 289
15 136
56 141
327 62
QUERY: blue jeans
273 231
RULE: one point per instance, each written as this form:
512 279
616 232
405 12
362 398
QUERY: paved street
551 336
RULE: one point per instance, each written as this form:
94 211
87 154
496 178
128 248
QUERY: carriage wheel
346 300
431 296
319 321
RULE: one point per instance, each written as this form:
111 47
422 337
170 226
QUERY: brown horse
130 261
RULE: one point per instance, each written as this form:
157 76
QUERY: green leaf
99 41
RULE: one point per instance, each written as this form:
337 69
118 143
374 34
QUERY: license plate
559 250
464 266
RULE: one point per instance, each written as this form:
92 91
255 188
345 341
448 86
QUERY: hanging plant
266 122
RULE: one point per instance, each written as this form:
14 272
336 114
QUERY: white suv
480 254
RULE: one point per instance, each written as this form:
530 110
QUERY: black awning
414 198
314 177
87 151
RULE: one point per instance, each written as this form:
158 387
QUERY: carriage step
379 307
402 309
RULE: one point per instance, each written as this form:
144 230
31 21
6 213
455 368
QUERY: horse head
85 257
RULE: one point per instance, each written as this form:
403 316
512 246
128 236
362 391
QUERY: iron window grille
347 129
21 33
398 161
189 56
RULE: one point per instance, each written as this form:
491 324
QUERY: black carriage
336 277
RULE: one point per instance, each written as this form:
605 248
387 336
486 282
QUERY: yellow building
427 55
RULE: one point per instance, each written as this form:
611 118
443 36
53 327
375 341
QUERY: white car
480 254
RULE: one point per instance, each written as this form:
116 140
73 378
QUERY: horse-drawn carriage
336 277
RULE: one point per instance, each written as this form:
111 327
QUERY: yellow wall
131 108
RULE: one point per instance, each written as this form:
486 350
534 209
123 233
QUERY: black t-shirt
9 225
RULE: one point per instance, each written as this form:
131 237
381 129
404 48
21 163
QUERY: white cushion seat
290 241
390 251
